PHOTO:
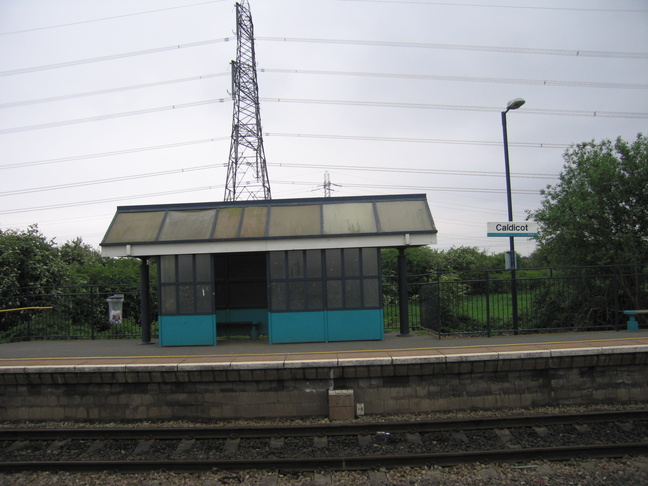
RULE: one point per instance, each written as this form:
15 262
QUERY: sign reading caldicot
513 228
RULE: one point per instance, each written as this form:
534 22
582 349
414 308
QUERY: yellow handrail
24 308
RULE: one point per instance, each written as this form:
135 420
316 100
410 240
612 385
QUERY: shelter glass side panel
186 303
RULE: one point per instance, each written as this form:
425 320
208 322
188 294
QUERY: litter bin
115 306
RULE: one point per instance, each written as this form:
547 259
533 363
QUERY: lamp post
512 105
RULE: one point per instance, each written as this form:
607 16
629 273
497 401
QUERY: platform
88 353
123 380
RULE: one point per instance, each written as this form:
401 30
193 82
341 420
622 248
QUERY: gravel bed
626 472
459 415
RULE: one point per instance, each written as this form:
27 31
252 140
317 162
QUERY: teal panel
355 325
188 330
255 315
297 327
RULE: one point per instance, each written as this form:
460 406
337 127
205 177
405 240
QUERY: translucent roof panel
134 227
227 223
295 220
254 222
404 216
350 218
187 225
373 219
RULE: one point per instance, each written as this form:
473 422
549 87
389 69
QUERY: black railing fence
459 303
75 312
549 299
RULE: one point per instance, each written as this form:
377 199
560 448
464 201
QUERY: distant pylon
247 174
328 185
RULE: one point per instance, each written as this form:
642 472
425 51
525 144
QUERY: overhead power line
466 79
112 57
76 121
419 45
418 140
105 181
422 77
424 106
479 5
364 168
419 188
381 104
110 154
109 91
459 47
415 170
112 199
90 21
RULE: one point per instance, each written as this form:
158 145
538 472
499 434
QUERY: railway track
329 446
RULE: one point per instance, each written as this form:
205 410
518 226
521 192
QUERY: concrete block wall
204 392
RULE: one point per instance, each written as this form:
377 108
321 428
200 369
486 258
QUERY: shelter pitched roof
280 224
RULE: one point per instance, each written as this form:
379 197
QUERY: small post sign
512 228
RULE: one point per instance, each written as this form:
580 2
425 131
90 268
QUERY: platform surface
88 353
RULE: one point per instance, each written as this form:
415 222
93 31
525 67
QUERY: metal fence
75 312
548 299
480 303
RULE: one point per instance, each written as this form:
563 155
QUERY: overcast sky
126 102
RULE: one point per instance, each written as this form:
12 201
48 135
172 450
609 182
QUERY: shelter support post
145 301
403 296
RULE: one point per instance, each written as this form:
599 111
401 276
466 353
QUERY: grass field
472 309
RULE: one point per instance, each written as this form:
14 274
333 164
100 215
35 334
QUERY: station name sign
513 228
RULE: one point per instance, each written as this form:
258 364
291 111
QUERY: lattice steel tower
247 174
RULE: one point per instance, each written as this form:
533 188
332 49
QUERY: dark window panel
185 268
168 299
168 268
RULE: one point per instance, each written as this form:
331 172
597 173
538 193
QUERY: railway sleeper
185 445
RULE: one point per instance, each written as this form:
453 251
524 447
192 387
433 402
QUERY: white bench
633 324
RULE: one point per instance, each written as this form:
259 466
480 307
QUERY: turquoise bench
227 326
633 324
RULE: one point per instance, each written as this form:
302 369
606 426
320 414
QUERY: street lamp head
515 104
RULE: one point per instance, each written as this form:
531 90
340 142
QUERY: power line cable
418 188
417 140
112 57
414 170
110 154
501 49
364 169
110 91
459 47
531 111
582 113
424 77
109 117
70 185
113 199
478 5
90 21
468 79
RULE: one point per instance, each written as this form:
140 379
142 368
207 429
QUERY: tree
596 214
28 259
80 258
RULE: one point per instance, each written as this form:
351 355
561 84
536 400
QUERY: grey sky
122 102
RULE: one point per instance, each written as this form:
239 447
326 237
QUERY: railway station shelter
298 270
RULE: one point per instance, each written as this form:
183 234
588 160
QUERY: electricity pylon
247 174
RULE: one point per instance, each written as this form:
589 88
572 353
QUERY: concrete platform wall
300 389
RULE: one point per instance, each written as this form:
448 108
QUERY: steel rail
337 463
304 430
